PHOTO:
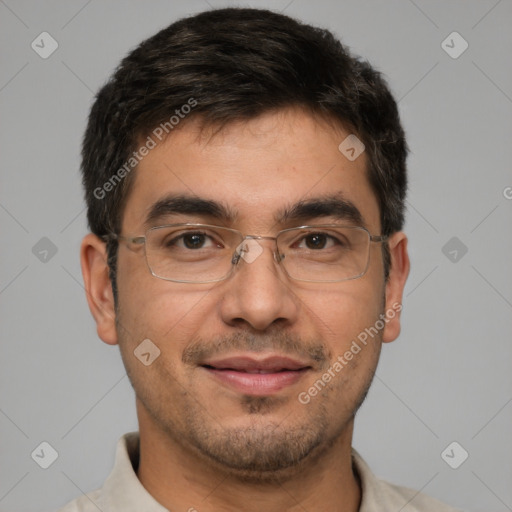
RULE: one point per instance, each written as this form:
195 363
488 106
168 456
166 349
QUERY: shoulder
412 500
379 495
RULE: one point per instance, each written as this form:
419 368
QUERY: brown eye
194 241
191 240
316 241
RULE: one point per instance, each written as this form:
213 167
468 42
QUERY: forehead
257 170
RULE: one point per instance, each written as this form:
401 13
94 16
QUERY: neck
181 479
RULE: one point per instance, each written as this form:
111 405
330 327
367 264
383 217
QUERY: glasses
202 253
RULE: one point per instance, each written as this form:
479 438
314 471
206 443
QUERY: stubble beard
266 452
263 453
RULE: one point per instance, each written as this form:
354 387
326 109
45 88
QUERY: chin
261 450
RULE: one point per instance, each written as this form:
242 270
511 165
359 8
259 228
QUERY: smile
256 377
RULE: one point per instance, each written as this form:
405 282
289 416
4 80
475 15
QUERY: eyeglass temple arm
130 239
379 238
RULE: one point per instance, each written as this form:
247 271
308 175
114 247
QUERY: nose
258 293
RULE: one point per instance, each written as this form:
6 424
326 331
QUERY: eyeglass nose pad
239 251
236 258
241 248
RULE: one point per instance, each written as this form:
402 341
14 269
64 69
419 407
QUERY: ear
398 273
98 288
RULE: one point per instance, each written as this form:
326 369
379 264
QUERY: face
254 372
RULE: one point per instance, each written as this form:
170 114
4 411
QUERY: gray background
446 379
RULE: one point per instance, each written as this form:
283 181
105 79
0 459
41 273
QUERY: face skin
205 443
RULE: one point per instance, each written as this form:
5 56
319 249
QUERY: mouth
257 377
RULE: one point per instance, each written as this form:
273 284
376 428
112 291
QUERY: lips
249 375
269 364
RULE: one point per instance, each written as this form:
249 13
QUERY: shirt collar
122 489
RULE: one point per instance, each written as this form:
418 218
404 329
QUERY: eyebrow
335 206
327 206
188 205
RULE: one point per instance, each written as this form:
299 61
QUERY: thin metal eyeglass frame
141 240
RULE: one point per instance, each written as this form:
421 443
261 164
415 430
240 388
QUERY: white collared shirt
123 492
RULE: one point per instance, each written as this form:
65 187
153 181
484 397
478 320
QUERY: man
245 180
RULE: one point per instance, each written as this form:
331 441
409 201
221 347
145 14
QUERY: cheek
169 314
169 317
163 311
342 311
